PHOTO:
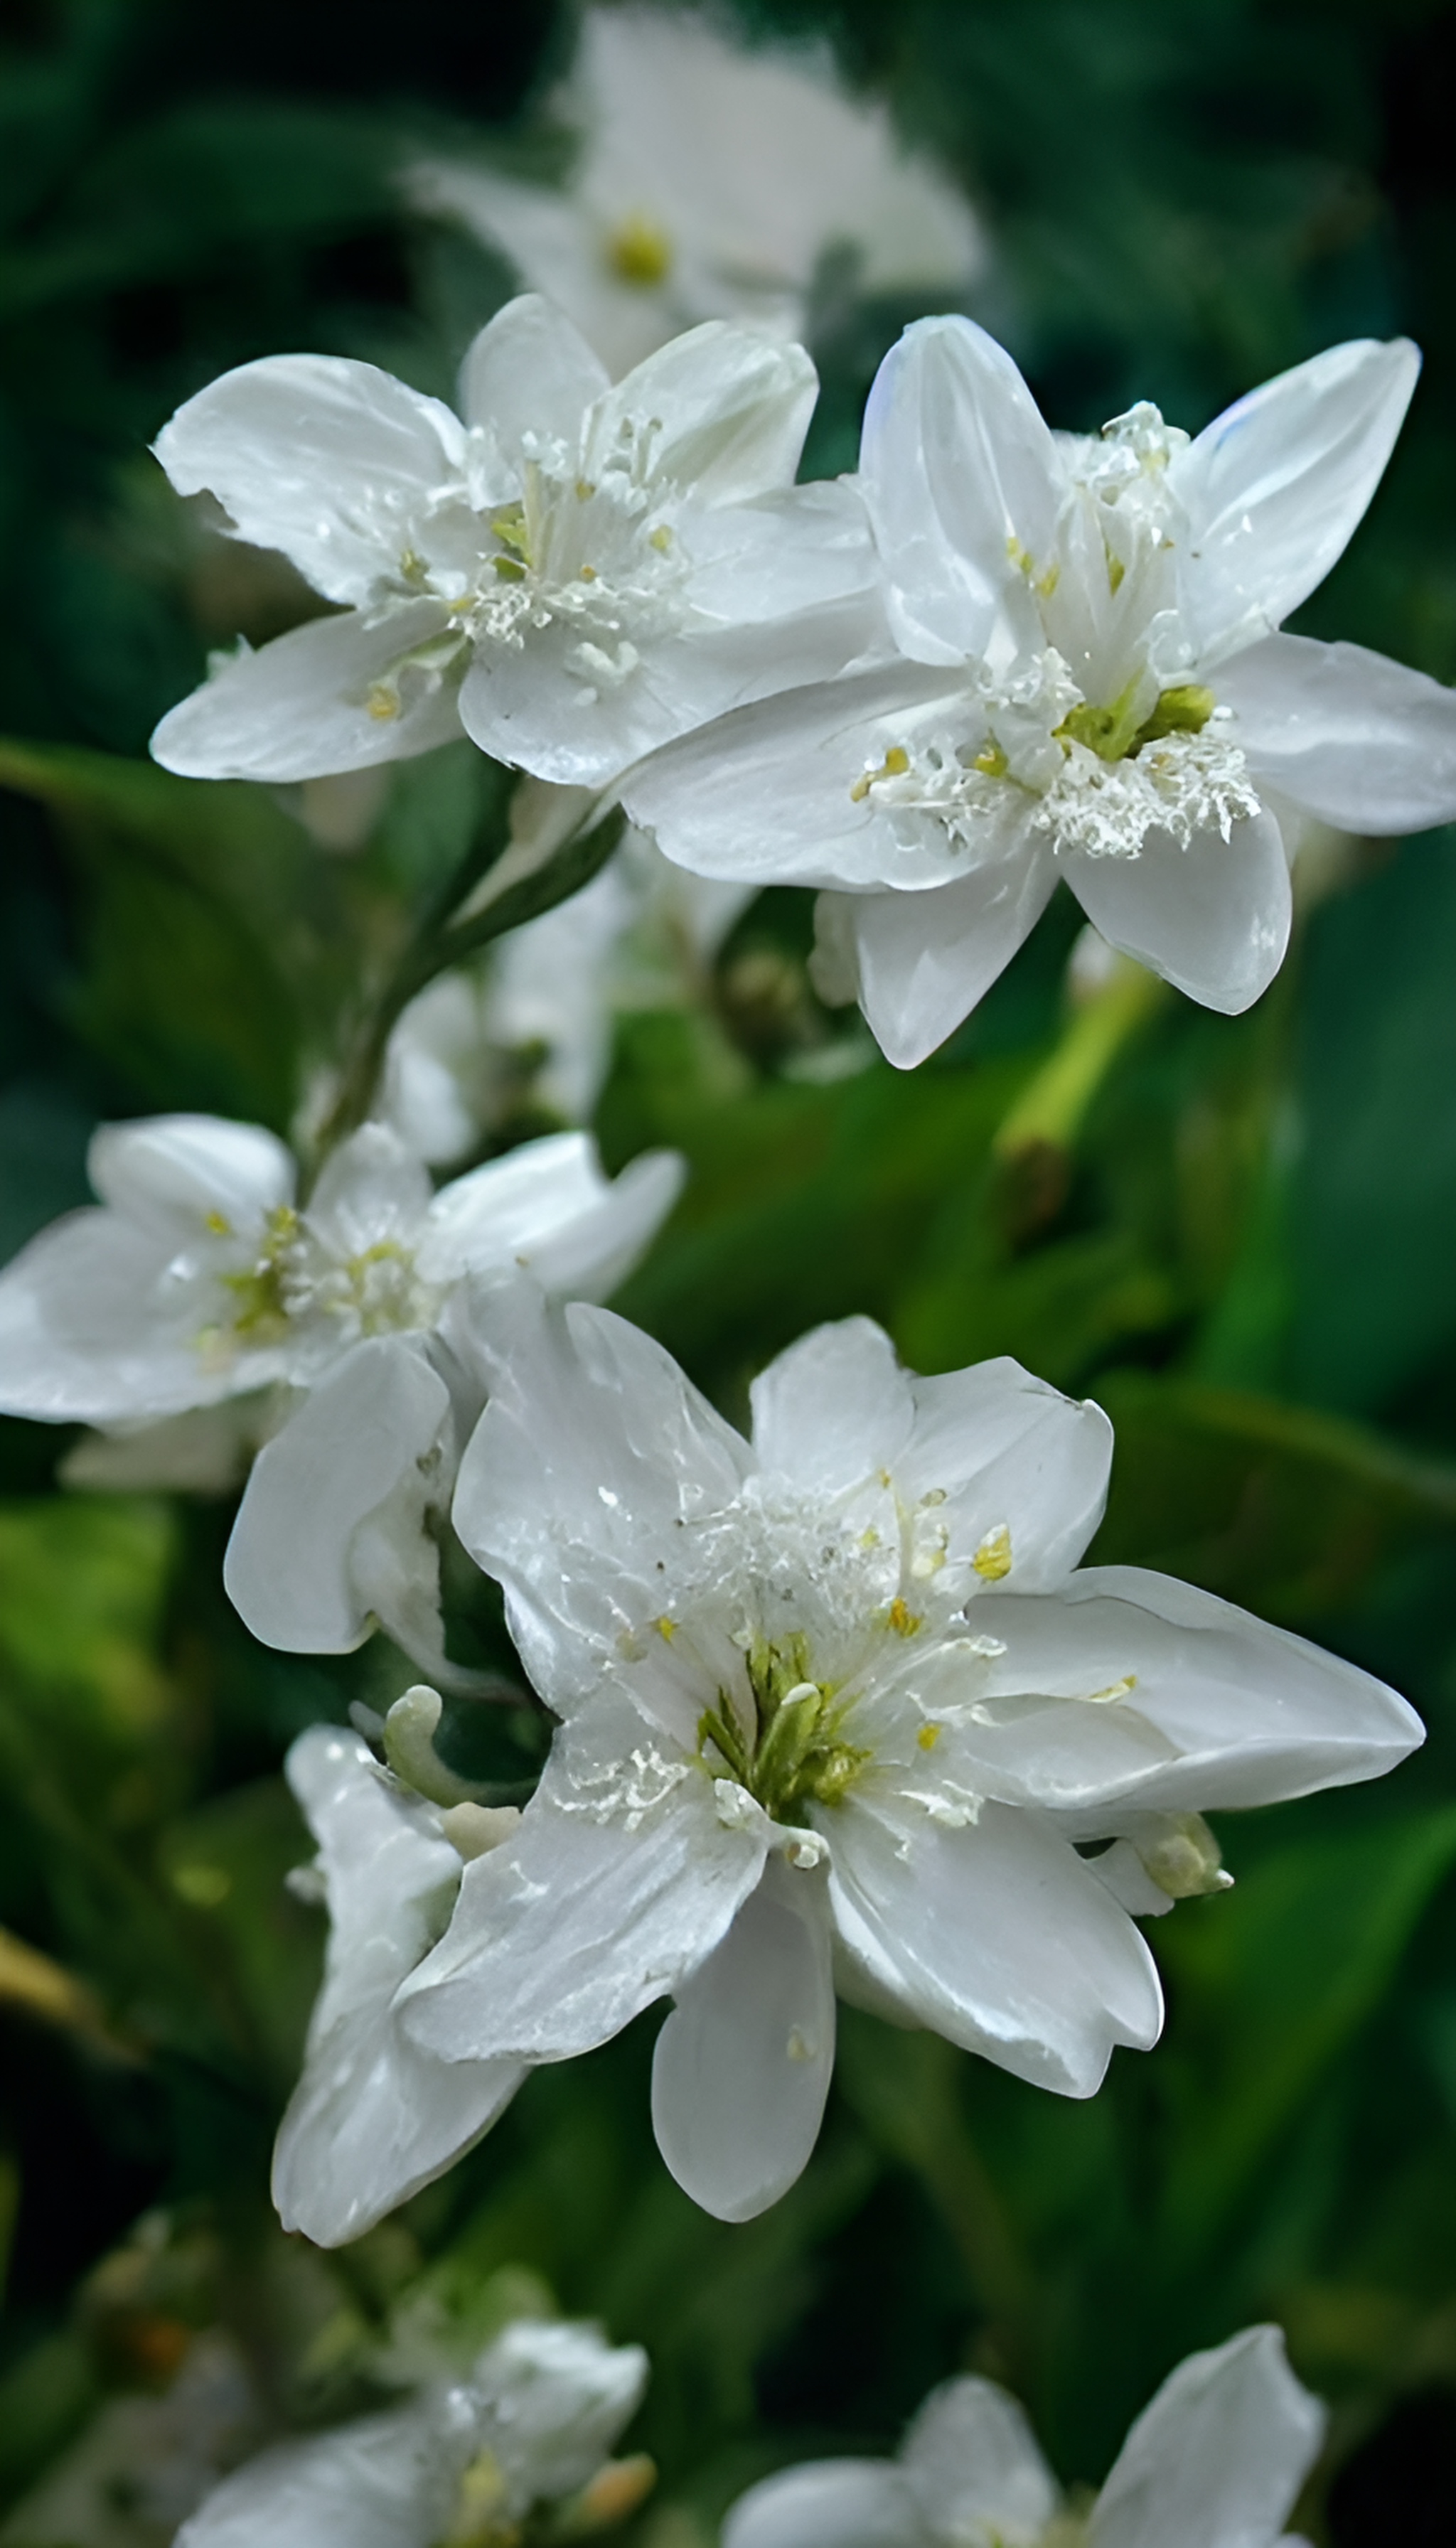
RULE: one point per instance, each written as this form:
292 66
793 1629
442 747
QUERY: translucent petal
1218 2457
549 1208
371 1189
385 2482
171 1172
84 1329
972 2458
1363 743
731 410
1212 919
829 2503
742 2067
834 1408
1275 487
300 708
1004 1449
330 460
529 371
924 960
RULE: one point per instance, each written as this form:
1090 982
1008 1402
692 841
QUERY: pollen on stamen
382 700
992 1560
667 1629
901 1618
894 765
928 1737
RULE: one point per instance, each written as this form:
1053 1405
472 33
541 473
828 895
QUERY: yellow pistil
894 765
638 250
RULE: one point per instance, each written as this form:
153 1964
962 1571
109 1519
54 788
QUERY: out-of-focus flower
143 2463
710 183
200 1279
1215 2461
574 573
1091 688
534 1020
834 1705
528 2427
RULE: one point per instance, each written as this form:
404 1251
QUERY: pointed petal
356 1445
620 1880
926 959
959 472
1212 919
330 460
829 2503
548 1209
765 796
172 1172
742 2067
1275 487
591 1449
1218 2457
529 371
386 2482
371 1188
995 1935
834 1408
1365 744
372 2118
300 708
997 1448
731 410
973 2462
1224 1710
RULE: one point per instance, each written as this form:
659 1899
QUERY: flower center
637 249
787 1746
293 1281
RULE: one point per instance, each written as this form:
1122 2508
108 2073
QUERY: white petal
592 1448
957 468
330 460
372 2118
1242 1713
1218 2457
732 409
1003 1448
1212 919
972 2458
996 1935
924 960
1275 487
834 1408
300 708
386 2482
371 1189
548 1207
600 1904
556 2398
1365 744
742 2067
764 795
84 1332
830 2503
171 1172
529 371
356 1442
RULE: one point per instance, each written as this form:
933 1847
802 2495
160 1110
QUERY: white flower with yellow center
1091 686
573 572
835 1706
711 182
521 2440
1215 2461
200 1277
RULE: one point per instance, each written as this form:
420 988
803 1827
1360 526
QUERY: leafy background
1239 1234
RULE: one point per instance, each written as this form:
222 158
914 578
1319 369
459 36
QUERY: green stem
498 885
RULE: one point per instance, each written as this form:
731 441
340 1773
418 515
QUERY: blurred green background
1241 1236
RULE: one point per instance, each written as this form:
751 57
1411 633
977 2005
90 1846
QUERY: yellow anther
660 539
382 700
928 1737
894 765
585 489
667 1629
412 566
218 1223
639 251
588 575
1115 572
1046 584
904 1621
608 2498
992 1559
1114 1689
991 761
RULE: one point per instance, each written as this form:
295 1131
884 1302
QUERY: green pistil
1111 733
794 1756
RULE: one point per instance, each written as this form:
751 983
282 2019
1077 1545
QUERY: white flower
1091 688
574 573
1215 2461
373 2117
531 2424
536 1017
710 183
200 1278
834 1705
